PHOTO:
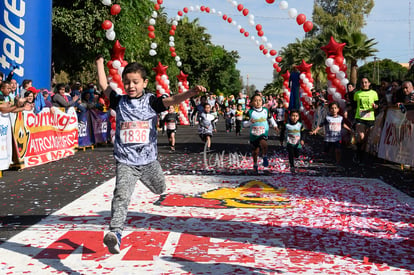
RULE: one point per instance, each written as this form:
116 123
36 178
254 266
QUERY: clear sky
388 24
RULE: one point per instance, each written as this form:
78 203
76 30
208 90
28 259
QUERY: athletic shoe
256 168
113 241
265 162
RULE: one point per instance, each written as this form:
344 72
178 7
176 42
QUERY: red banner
47 136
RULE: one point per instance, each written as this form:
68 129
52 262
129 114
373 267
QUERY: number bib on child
258 130
293 139
134 132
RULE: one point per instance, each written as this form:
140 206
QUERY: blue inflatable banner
26 40
85 137
100 125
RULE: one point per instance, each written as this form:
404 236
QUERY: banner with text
44 137
5 142
397 137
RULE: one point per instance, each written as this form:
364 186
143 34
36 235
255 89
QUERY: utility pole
247 85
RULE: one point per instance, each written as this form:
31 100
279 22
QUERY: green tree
380 69
330 12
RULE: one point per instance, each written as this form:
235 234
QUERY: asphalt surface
31 194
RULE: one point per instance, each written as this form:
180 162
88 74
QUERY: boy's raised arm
102 80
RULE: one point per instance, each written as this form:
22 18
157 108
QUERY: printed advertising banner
26 40
397 137
5 142
44 137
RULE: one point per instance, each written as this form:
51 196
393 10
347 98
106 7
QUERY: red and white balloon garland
162 83
286 89
336 71
306 84
183 86
107 25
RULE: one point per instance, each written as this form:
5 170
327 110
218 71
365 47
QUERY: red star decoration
160 69
304 67
182 77
118 52
286 75
333 48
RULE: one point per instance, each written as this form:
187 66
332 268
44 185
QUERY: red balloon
185 10
207 9
241 30
275 66
229 20
258 27
116 77
173 27
336 82
265 51
300 19
278 69
109 64
124 63
307 26
151 35
106 25
156 7
172 49
260 33
270 1
261 47
240 7
278 59
113 71
173 54
246 34
273 52
160 2
180 13
245 12
172 32
224 17
151 28
339 59
115 9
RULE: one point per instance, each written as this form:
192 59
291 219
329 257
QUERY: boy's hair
26 82
239 105
135 67
255 95
4 83
205 104
333 103
294 111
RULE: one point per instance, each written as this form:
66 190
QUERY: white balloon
154 14
158 87
302 76
334 69
177 58
171 44
252 38
305 80
113 113
340 75
152 52
292 13
251 17
164 77
175 23
110 35
197 7
336 96
329 62
219 13
269 45
191 8
152 21
251 23
167 82
171 38
119 91
116 64
233 23
154 45
283 5
177 18
113 85
239 27
121 70
234 3
179 64
106 2
344 81
331 90
213 11
301 108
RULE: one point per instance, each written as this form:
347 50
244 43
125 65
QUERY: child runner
239 119
333 123
205 126
259 129
228 118
135 145
171 120
215 114
294 137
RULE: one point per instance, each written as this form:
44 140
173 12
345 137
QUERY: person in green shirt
366 101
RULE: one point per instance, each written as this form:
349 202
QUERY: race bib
335 127
170 126
365 114
293 139
258 130
134 132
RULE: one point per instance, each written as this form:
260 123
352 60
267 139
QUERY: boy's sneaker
113 241
256 168
265 162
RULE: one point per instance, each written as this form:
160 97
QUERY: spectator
60 99
406 94
27 83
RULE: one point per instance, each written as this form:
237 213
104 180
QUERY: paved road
31 194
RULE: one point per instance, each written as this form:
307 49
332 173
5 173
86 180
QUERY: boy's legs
291 152
153 177
264 147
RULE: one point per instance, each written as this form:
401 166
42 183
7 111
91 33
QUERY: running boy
239 119
294 137
171 120
205 126
259 129
333 123
135 145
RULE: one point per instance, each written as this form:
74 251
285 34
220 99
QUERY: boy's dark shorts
169 132
367 123
204 137
256 143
